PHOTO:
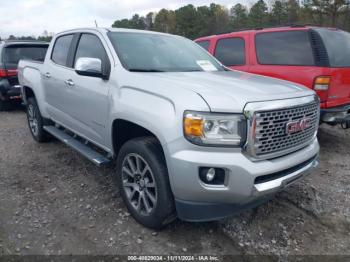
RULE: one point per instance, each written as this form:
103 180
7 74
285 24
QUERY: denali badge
297 126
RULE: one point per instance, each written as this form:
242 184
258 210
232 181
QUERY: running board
94 156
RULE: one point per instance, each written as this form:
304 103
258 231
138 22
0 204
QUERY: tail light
8 72
321 86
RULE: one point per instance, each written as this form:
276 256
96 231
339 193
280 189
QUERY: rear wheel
36 121
144 183
4 105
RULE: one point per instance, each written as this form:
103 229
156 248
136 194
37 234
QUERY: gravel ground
53 201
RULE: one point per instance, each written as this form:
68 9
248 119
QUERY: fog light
211 174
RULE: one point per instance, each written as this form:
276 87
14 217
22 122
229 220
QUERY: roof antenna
96 23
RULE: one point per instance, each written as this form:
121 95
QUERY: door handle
47 75
69 82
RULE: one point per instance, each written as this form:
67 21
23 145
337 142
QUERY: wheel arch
26 93
124 130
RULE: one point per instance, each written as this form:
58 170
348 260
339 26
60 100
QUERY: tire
152 189
36 121
4 105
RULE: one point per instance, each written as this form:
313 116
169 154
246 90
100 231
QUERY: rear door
54 75
337 44
287 55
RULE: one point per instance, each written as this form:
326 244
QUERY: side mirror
87 66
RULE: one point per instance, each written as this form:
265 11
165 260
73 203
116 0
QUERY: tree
165 21
203 20
124 23
239 16
293 11
258 15
193 22
136 22
279 13
186 21
149 20
219 20
327 12
45 36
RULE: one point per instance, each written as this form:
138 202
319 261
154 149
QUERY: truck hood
230 91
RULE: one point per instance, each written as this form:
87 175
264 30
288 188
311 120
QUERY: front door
87 97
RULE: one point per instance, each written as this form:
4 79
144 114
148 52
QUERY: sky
33 17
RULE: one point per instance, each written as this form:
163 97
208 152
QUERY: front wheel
36 121
144 184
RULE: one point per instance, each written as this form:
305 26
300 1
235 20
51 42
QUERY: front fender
155 111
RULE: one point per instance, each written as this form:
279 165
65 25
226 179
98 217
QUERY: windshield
144 52
337 43
15 53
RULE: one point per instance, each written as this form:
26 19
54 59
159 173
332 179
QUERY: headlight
215 129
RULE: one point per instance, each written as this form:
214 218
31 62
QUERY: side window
230 51
284 48
90 46
61 49
204 44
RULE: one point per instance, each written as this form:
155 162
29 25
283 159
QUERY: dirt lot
53 201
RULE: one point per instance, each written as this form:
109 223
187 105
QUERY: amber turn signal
193 126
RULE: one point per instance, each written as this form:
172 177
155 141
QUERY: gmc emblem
297 126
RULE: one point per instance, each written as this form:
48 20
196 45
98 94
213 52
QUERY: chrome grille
270 129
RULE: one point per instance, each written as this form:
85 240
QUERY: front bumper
247 183
336 115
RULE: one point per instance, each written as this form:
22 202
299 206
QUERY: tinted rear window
284 48
230 51
61 49
204 44
13 54
337 43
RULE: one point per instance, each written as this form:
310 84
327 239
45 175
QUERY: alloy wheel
33 121
139 184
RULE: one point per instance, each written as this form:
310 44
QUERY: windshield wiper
145 70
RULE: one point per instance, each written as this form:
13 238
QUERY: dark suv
10 54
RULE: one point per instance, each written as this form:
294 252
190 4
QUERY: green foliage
186 24
193 22
258 15
136 22
239 17
45 37
279 13
165 21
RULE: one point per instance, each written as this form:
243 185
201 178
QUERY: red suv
316 57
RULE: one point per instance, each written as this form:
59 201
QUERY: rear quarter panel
339 92
29 75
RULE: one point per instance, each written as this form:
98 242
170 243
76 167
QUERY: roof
267 29
103 29
23 42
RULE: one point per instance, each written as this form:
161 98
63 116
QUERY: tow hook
345 124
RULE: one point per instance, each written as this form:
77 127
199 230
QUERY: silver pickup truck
190 138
